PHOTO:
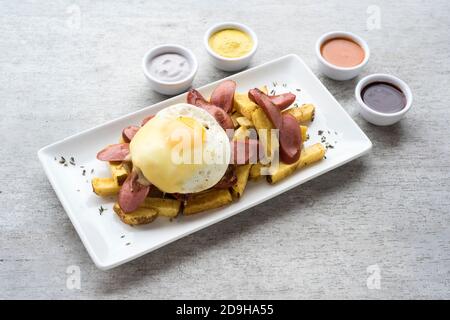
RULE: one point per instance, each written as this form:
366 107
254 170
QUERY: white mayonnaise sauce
169 67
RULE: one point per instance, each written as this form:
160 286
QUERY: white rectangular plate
111 243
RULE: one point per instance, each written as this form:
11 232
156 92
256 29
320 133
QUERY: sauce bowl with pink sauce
169 68
341 55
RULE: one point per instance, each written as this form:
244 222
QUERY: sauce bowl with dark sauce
383 99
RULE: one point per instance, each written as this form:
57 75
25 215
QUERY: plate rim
104 265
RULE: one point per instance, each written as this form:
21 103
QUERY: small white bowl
340 73
379 118
170 87
230 64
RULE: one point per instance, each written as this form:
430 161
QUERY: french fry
165 207
118 171
304 131
262 122
308 156
234 117
139 216
255 171
303 113
244 105
206 201
245 122
241 134
242 173
105 187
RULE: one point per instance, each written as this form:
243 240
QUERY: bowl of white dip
170 68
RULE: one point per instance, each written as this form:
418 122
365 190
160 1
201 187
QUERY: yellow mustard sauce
231 43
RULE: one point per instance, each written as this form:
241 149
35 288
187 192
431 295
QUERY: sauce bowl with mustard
341 55
170 68
230 45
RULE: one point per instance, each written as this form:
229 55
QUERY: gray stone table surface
67 66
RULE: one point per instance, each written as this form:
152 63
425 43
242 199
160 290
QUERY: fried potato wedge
242 172
241 133
105 187
139 216
245 122
234 117
119 172
308 156
244 105
165 207
304 131
206 201
304 113
255 171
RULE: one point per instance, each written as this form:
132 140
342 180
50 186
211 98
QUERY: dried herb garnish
122 236
84 172
82 167
92 171
275 83
62 160
272 92
128 243
325 157
284 85
295 104
101 210
298 90
72 161
320 132
323 139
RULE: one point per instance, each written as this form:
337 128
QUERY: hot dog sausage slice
223 95
290 139
129 132
282 101
132 193
195 98
114 152
262 100
146 119
228 180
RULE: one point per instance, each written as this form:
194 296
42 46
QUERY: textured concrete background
67 66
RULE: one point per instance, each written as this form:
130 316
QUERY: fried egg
183 149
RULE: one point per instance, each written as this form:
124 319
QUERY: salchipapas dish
199 155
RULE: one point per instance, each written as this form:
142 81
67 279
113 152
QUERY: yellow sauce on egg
231 43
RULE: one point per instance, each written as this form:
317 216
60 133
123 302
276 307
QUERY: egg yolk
168 151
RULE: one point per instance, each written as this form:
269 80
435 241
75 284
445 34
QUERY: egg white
151 154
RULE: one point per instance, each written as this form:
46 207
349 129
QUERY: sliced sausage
223 95
132 193
195 98
262 100
244 151
129 132
284 100
147 119
228 180
290 139
114 152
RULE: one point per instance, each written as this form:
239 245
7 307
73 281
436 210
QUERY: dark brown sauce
383 97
